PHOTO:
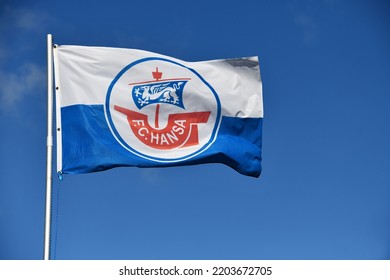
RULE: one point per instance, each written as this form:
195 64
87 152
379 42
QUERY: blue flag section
89 145
149 110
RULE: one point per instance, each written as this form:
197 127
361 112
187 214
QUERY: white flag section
126 107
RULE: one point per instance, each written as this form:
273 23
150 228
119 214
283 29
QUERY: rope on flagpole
55 218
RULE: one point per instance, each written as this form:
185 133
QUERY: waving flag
126 107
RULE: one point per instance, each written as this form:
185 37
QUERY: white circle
197 96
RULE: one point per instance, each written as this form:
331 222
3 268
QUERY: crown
157 75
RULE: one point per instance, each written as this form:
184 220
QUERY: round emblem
161 110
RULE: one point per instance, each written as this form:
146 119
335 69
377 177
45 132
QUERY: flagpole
49 145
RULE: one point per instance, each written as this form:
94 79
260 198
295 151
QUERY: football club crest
162 110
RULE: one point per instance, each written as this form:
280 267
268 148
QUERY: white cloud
311 16
19 76
17 25
23 82
29 21
21 20
308 26
150 176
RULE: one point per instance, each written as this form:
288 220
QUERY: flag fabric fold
126 107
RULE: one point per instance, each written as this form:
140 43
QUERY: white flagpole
49 145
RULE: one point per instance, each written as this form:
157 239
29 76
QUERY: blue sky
325 188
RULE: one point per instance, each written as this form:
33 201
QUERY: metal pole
49 145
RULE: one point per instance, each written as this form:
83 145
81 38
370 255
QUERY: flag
126 107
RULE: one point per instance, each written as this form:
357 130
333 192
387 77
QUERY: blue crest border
136 152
